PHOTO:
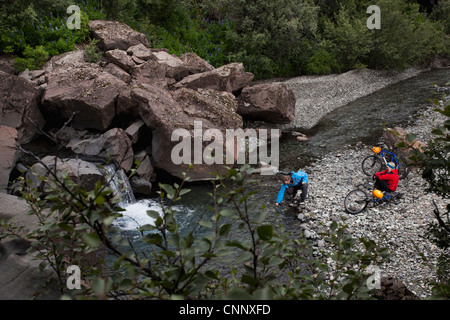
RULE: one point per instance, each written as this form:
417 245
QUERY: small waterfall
135 212
118 181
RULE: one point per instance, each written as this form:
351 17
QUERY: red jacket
391 177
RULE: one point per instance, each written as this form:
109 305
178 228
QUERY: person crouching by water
292 183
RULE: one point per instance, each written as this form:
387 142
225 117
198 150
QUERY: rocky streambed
399 227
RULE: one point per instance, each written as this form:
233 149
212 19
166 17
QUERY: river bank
399 227
317 96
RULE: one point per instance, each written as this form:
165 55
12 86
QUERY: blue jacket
297 179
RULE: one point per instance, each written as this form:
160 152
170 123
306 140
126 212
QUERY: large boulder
9 154
231 77
150 72
141 52
7 65
20 276
195 64
116 35
394 289
121 59
164 113
175 67
271 102
141 186
71 59
85 90
165 64
118 72
112 145
19 106
81 172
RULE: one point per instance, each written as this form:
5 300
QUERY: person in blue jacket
293 182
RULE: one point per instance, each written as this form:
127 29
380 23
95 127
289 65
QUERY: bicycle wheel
371 165
356 201
402 166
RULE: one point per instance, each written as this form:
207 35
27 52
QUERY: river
361 121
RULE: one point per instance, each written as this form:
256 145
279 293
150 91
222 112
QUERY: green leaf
244 257
410 137
100 200
248 279
101 286
226 212
153 214
184 191
65 227
225 229
265 232
238 294
211 275
125 284
169 190
237 244
92 239
154 238
206 224
108 220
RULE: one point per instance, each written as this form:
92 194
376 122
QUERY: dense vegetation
271 38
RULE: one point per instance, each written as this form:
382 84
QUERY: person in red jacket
387 180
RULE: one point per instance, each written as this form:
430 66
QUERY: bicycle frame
385 197
363 197
394 157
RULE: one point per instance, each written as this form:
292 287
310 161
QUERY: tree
271 36
347 37
406 38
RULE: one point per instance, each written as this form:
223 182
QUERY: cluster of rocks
126 106
122 109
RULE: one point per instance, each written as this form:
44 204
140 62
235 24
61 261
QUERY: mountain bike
358 200
374 163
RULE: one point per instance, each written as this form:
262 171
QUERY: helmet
376 149
377 194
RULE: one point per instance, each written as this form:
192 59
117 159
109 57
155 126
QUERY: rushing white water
135 214
118 181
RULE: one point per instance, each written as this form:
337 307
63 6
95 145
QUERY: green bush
92 51
34 58
441 14
406 38
322 62
38 25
